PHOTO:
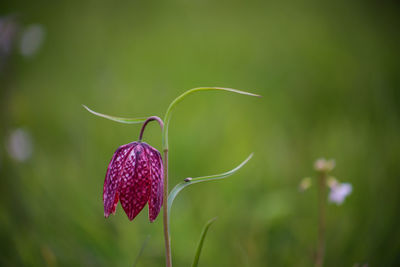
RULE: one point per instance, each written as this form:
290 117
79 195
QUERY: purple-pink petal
112 180
135 177
339 192
157 182
135 183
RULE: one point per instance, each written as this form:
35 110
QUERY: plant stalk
167 238
149 119
319 259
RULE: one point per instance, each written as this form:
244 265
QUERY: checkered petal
134 176
113 178
135 182
157 181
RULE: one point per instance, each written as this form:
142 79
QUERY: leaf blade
144 244
115 118
173 104
201 241
222 89
180 186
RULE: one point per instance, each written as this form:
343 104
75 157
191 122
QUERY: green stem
319 260
167 238
149 119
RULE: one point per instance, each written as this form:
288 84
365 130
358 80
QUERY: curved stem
149 119
167 238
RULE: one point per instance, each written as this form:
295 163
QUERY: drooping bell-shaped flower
134 176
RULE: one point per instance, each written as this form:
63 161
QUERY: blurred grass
329 76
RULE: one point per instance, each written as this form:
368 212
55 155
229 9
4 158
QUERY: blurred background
329 75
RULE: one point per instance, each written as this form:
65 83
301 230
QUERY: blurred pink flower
323 165
339 191
19 145
32 39
135 176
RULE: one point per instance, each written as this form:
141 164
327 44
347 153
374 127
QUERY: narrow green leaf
201 241
189 181
141 250
168 114
117 119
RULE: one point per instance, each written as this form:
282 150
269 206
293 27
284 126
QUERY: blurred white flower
305 184
323 165
19 145
339 192
31 40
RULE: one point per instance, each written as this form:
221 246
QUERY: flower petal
135 183
112 180
157 181
339 193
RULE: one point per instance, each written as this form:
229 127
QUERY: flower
20 145
323 165
135 176
305 184
32 39
339 191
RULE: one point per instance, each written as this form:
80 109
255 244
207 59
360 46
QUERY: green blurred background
329 75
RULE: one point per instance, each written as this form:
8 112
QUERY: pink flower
339 191
135 176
